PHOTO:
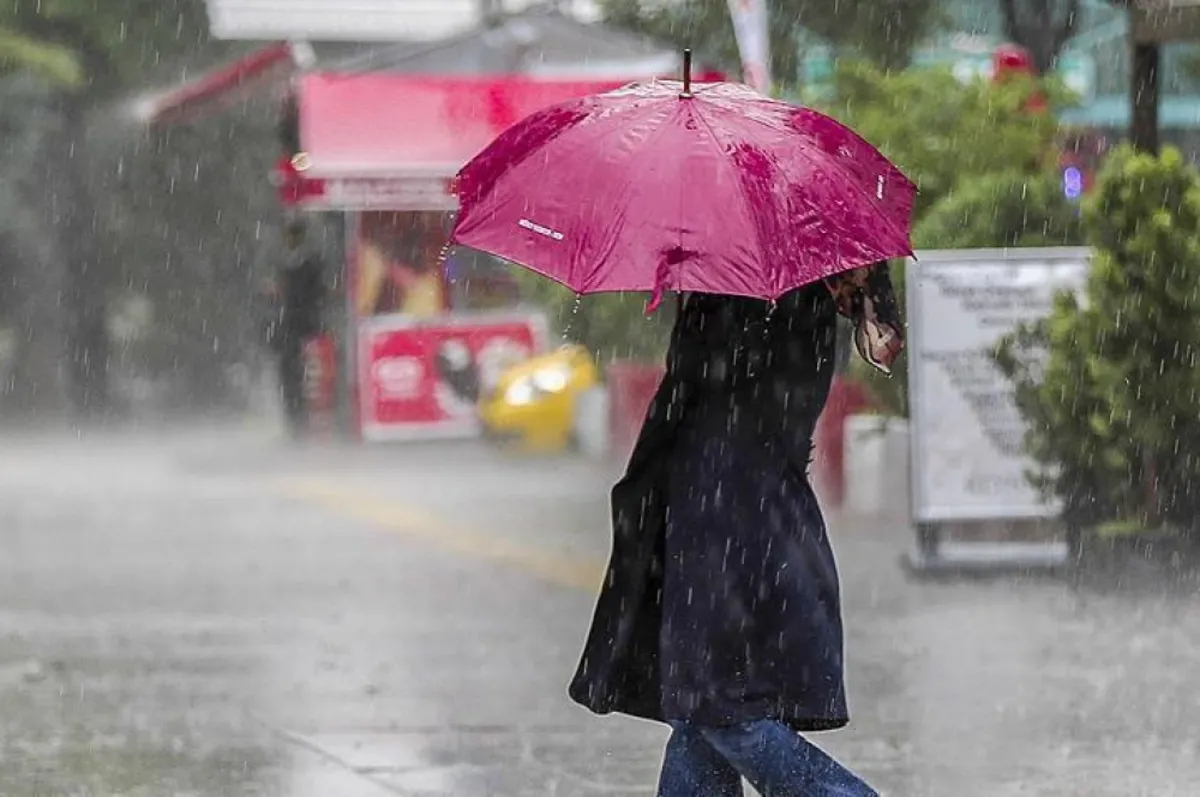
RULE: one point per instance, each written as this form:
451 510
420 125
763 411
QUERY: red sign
423 379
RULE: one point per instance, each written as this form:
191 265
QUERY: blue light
1072 182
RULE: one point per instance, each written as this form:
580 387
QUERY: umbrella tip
687 75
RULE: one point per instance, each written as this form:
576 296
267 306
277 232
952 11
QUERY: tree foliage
32 285
882 31
183 229
1109 382
57 65
940 131
1007 209
114 44
115 41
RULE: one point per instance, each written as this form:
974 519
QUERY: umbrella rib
741 188
835 164
635 173
571 150
883 217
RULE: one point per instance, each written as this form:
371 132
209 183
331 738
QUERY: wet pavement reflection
220 613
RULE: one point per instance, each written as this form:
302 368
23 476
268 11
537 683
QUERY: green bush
1109 383
1002 209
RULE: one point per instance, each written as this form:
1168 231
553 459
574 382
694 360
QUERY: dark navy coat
720 603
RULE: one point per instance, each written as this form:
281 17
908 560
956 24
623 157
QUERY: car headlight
520 393
550 380
540 383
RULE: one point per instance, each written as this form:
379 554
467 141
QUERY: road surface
222 613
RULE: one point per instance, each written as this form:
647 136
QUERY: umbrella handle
686 94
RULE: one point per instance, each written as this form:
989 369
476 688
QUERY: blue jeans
778 762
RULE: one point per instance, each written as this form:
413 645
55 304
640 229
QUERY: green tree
32 286
183 229
1002 209
19 53
883 31
114 44
26 293
941 131
1108 383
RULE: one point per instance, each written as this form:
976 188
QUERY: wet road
223 614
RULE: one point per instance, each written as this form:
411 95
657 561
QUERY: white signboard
340 20
360 20
390 194
968 461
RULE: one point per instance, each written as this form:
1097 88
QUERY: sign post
968 467
752 30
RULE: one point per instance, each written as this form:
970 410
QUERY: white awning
359 20
623 69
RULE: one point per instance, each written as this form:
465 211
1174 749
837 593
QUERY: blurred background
364 564
119 249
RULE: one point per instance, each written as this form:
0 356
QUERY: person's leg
692 768
781 763
291 381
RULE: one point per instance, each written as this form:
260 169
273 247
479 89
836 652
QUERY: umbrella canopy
657 186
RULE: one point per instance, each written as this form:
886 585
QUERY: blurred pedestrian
720 611
300 290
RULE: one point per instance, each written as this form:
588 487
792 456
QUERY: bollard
846 398
592 421
631 388
320 384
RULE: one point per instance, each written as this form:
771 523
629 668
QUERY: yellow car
534 401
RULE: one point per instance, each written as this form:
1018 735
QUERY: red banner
423 379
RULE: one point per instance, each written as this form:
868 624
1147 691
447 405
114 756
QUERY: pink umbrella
659 186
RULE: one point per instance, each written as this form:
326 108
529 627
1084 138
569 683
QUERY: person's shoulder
813 300
724 305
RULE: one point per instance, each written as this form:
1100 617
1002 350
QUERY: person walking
720 610
300 288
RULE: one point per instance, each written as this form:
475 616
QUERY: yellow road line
565 571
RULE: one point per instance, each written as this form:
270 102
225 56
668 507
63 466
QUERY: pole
687 75
751 27
1145 96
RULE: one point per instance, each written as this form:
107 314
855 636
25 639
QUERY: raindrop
575 307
